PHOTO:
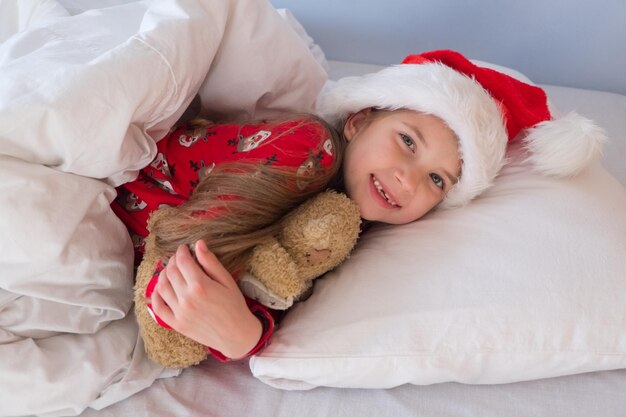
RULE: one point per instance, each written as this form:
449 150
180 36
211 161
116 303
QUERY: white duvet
83 99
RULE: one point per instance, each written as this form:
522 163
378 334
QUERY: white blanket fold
83 100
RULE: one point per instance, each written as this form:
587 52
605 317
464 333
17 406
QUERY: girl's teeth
383 193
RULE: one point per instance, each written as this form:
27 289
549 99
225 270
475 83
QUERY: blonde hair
239 205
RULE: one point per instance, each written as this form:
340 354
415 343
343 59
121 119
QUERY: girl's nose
408 179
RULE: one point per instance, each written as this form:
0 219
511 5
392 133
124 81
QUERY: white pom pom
565 146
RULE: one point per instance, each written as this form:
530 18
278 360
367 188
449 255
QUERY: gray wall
575 43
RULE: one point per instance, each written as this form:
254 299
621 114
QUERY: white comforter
83 99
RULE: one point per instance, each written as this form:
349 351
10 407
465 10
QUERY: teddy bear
313 238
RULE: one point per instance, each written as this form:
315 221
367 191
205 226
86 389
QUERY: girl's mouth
381 191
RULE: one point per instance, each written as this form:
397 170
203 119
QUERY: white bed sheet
229 390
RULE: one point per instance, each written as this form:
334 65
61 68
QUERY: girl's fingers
160 307
189 269
174 276
165 291
212 266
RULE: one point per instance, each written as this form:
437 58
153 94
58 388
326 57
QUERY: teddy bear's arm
272 265
315 237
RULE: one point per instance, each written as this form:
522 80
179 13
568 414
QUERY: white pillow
528 281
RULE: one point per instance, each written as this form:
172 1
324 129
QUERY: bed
532 326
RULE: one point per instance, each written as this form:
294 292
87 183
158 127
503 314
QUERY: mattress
218 390
226 390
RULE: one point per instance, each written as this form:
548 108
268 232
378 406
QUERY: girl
429 133
226 185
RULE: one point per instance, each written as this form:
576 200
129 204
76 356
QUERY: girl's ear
355 122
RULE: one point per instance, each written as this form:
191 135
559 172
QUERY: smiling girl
430 133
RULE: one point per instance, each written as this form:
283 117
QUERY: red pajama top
185 156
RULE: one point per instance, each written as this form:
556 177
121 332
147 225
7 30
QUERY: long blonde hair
239 205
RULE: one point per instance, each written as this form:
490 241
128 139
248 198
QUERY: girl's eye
437 180
408 141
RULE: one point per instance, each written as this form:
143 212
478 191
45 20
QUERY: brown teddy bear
314 238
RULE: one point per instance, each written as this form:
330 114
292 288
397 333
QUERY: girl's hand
202 301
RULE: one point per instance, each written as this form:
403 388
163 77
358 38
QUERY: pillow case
526 282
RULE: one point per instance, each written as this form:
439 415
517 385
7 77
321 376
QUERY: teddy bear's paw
320 233
315 257
256 290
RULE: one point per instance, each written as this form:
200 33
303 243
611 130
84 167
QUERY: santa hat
485 108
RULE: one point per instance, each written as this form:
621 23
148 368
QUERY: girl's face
398 164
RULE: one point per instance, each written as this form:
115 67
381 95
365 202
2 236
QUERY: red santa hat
485 108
